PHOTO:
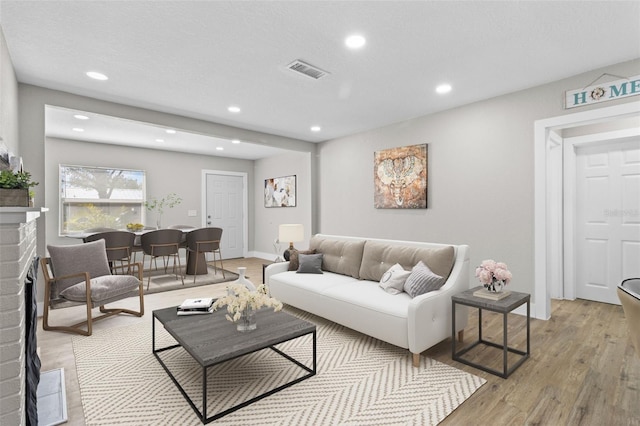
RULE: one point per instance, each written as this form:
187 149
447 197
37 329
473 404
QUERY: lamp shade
291 233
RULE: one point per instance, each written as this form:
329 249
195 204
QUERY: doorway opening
550 227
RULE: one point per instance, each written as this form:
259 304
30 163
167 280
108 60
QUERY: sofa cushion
310 264
294 261
422 280
378 257
341 257
393 280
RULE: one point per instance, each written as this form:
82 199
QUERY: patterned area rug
167 281
360 381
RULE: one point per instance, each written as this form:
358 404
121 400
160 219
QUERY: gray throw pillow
310 263
393 280
294 261
422 280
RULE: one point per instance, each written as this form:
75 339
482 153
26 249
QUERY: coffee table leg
204 393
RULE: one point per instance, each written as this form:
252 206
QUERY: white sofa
348 291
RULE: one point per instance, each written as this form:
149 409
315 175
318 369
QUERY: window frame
63 202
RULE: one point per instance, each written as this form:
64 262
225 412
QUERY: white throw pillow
393 280
422 280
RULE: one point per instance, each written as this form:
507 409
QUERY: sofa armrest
429 316
275 268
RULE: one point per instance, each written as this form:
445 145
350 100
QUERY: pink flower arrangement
493 275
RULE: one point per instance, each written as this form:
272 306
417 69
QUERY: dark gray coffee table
211 339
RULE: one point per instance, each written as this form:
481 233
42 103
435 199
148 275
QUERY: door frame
548 209
568 288
245 203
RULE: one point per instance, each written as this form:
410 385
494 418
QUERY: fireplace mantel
15 215
17 251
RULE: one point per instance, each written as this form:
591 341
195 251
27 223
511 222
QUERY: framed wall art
400 178
280 191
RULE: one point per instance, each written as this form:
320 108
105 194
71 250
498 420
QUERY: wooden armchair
80 275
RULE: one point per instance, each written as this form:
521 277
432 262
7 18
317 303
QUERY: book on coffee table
199 303
202 305
195 311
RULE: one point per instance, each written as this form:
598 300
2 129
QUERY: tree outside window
93 197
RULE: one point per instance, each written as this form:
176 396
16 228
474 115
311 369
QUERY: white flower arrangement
239 299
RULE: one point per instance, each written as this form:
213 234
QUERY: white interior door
224 209
607 217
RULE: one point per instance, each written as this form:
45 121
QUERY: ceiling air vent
306 69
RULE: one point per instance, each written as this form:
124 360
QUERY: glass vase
496 287
247 321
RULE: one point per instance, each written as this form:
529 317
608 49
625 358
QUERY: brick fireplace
17 251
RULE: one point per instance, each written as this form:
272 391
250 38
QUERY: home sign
603 92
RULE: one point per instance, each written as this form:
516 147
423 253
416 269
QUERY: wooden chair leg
460 336
416 360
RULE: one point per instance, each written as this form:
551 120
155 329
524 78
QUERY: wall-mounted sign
602 92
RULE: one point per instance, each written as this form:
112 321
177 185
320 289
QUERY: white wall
8 100
267 220
480 178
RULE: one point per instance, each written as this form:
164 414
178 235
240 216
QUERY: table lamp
293 233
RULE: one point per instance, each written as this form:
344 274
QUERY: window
93 197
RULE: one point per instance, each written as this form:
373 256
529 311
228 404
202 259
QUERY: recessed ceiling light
219 148
97 75
236 141
170 131
355 41
78 129
443 88
81 117
233 109
316 128
159 140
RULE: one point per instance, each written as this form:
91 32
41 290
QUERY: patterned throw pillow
422 280
393 280
294 262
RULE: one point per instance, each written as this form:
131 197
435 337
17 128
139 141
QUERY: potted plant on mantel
14 188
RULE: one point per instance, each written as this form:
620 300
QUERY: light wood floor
582 371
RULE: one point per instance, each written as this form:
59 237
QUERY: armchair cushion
103 288
73 259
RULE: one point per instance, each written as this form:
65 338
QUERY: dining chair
80 274
202 241
629 295
119 245
163 243
185 229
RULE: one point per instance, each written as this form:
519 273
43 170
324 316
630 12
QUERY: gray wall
267 220
8 100
166 172
480 181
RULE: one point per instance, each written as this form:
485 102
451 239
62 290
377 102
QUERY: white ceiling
197 58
